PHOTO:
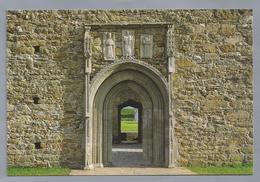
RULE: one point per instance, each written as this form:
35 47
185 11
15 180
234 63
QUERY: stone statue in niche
128 43
109 46
146 46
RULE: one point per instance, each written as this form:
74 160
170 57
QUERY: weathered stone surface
211 87
225 48
228 30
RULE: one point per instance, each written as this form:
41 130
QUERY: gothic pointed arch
121 81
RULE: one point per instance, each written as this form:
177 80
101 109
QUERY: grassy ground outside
37 171
244 169
129 126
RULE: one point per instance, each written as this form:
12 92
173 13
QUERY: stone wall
212 84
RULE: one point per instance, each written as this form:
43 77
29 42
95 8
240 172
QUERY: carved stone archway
129 79
122 81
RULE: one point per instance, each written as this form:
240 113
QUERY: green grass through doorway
129 126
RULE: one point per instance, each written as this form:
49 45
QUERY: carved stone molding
138 72
170 49
171 69
170 41
110 68
88 126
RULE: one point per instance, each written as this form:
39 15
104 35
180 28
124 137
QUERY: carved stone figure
87 43
128 43
146 46
108 46
87 49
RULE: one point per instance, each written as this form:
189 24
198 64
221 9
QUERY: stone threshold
129 171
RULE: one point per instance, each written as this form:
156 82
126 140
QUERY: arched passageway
118 134
124 82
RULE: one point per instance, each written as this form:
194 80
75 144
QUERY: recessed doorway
129 84
128 125
129 122
127 147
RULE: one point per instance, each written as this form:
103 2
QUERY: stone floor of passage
127 160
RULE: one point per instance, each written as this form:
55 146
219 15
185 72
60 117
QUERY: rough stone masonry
212 94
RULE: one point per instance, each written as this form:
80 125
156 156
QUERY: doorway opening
128 125
130 122
133 84
127 150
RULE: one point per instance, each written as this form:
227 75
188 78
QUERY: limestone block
227 48
228 30
214 104
210 48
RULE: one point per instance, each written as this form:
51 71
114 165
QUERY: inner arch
134 118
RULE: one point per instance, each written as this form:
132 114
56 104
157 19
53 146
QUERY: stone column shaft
88 119
171 70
